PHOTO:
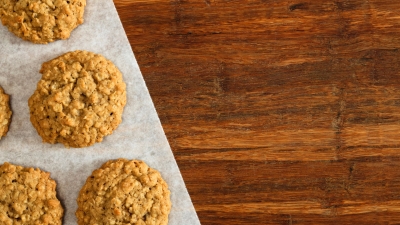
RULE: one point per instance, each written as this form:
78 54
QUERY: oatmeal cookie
79 100
124 192
5 113
42 21
28 197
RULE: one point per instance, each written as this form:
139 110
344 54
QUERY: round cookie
42 21
79 100
5 113
124 192
28 197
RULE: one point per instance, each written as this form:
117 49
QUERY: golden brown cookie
5 113
124 192
42 21
28 197
79 100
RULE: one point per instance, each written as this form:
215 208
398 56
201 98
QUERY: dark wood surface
278 112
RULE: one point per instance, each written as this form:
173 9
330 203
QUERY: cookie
124 192
42 21
28 197
79 100
5 113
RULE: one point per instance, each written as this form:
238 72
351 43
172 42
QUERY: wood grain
278 112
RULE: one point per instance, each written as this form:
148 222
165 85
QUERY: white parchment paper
139 136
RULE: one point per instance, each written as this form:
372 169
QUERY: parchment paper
139 136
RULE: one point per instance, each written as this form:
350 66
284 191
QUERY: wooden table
278 112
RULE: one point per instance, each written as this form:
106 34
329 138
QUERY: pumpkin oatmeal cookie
42 21
79 100
5 113
124 192
28 197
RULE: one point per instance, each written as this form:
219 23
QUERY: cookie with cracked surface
124 192
79 99
42 21
28 197
5 113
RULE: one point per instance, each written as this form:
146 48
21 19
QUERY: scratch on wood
337 123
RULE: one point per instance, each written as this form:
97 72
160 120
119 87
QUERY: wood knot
298 6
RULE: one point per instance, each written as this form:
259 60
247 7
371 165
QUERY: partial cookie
79 100
124 192
28 197
5 113
42 21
